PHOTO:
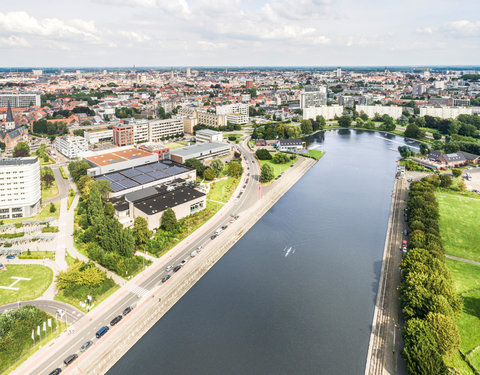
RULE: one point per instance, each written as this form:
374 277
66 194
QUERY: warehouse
200 151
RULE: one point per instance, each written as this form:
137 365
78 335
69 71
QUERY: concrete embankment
154 305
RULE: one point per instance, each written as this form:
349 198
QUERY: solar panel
101 178
143 178
158 166
136 156
114 177
116 187
175 170
127 183
158 174
131 173
113 161
145 169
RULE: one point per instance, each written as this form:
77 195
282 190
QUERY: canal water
296 294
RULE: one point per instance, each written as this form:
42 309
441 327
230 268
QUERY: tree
263 154
47 179
94 206
140 231
424 150
84 180
169 220
104 187
413 131
456 172
209 174
321 122
266 173
461 185
345 121
445 180
306 126
235 169
78 169
197 165
21 149
217 166
445 333
280 158
52 208
109 210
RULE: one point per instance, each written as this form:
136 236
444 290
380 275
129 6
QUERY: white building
71 145
236 113
418 89
158 129
211 119
445 112
201 151
141 131
370 110
20 189
208 136
313 97
19 100
97 135
328 112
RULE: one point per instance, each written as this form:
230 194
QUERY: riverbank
383 355
158 301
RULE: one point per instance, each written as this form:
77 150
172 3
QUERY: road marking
138 290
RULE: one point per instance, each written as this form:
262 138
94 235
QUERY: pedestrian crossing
138 290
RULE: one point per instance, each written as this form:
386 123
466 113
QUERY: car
236 217
1 266
165 278
10 256
193 253
232 220
56 371
224 227
199 248
404 242
183 262
404 249
405 232
177 268
127 310
85 346
169 268
213 236
116 320
248 174
70 359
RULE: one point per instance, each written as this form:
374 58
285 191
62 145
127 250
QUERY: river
296 294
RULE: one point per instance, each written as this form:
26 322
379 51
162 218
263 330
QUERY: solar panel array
136 176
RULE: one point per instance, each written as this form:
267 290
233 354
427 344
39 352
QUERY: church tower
10 123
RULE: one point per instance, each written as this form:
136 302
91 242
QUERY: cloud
14 41
298 9
206 45
135 37
463 28
425 30
175 7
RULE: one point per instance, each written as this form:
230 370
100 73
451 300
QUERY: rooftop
207 132
19 161
120 156
162 201
199 148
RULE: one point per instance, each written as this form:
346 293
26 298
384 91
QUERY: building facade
123 135
71 146
98 135
20 189
328 112
313 97
211 119
200 151
371 110
19 100
236 113
445 112
208 136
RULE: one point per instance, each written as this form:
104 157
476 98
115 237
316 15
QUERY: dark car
177 268
56 371
10 256
116 320
102 331
127 310
213 236
70 359
165 278
86 345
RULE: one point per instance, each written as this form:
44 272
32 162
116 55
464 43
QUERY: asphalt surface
70 315
86 328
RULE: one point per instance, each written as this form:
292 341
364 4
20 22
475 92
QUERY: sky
98 33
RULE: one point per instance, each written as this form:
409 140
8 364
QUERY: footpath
385 344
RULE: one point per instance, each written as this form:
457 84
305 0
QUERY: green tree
461 185
169 220
345 121
456 172
445 181
78 169
445 333
104 187
21 149
235 169
197 165
280 158
209 174
217 166
263 154
140 231
94 206
413 131
266 173
306 126
109 210
424 150
47 179
52 208
321 122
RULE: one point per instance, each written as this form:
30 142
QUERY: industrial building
200 151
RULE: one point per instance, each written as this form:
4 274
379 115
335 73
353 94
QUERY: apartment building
140 131
19 100
123 135
236 113
211 119
98 135
71 146
371 110
328 112
313 97
20 189
159 129
445 112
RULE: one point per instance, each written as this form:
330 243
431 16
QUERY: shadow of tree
471 306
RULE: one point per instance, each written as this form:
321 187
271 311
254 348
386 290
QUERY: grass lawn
41 277
71 197
278 168
458 362
465 275
468 322
174 145
316 154
52 191
37 255
62 172
74 302
222 190
466 193
42 162
42 215
459 218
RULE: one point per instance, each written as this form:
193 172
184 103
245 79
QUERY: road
85 329
71 313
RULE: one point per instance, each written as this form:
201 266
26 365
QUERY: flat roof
162 201
199 147
19 161
141 175
110 158
208 132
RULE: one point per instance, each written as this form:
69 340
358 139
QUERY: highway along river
296 294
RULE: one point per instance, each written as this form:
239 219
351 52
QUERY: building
127 180
20 189
211 119
439 160
200 151
418 89
19 100
189 123
156 148
123 135
445 112
71 146
140 131
188 72
291 145
10 133
339 72
159 130
249 84
236 118
346 100
98 135
236 113
313 97
371 110
9 123
366 99
117 159
208 136
328 112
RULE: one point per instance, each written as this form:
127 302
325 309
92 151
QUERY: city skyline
238 33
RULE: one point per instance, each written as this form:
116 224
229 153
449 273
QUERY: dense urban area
110 179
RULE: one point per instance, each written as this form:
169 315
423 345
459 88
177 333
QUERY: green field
52 191
316 154
42 215
41 277
62 172
459 218
278 168
221 191
37 255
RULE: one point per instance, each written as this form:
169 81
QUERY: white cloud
206 45
14 41
425 30
463 28
298 9
135 37
176 7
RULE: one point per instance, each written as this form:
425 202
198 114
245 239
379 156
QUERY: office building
236 113
159 130
20 189
208 136
188 72
313 97
211 119
328 112
189 123
339 72
200 151
346 100
71 146
123 135
19 100
140 131
371 110
98 135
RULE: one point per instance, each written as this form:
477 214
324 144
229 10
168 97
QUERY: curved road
71 315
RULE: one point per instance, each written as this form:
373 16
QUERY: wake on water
289 251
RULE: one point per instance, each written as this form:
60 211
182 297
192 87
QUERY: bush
263 154
209 174
280 158
266 173
52 208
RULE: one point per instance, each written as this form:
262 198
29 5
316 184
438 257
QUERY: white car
183 262
193 253
199 248
168 268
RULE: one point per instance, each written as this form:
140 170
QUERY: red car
404 242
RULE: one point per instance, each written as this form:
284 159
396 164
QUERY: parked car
193 253
56 371
213 236
1 266
116 320
169 268
183 262
70 359
165 278
224 227
127 310
177 268
199 248
10 256
404 242
85 346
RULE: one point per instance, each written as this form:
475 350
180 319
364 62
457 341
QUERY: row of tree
427 293
49 128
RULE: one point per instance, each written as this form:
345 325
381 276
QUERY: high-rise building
313 97
19 100
20 189
339 72
189 73
249 84
418 89
346 100
236 113
123 135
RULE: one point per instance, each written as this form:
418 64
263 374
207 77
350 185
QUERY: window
17 209
17 215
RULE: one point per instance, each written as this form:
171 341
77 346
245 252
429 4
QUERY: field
459 218
52 191
41 277
278 168
221 191
316 154
37 255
